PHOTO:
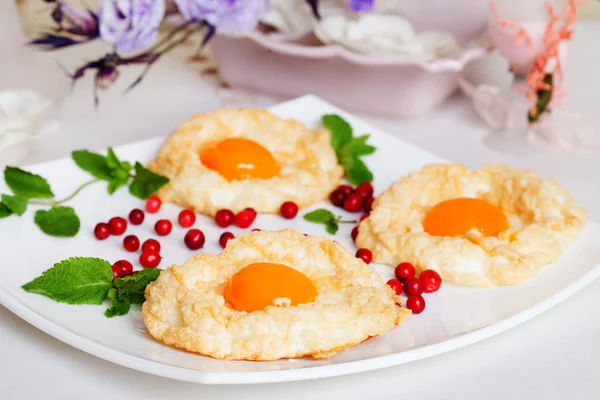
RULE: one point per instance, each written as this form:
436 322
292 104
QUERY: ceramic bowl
394 85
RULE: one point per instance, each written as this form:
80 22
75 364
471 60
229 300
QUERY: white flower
24 116
384 34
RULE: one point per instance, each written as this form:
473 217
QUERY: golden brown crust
185 307
309 168
543 219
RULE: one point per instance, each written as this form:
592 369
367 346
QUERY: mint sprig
119 171
85 280
327 218
130 290
145 182
349 149
63 221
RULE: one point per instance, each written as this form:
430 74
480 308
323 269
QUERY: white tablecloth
555 356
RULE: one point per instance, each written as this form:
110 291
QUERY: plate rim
12 303
299 374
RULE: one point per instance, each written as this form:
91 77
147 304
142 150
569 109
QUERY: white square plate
455 316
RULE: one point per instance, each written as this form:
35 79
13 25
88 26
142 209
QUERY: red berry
416 304
117 225
244 218
136 216
116 271
404 271
194 239
225 237
251 210
151 245
354 232
353 203
153 204
346 189
368 204
413 287
289 210
365 190
363 216
102 231
186 218
396 285
131 243
430 280
149 259
337 198
124 266
224 218
365 255
163 227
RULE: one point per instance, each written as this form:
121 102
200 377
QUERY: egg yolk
458 216
258 285
237 159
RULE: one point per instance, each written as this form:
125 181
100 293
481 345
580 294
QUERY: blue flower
228 16
361 5
130 25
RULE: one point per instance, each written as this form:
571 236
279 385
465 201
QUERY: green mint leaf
358 172
120 304
95 164
325 217
75 281
119 171
349 149
116 183
332 226
4 211
358 147
16 204
26 184
58 221
114 163
341 131
146 182
134 286
320 216
112 160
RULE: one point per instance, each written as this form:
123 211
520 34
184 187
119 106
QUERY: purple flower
361 5
130 25
228 16
106 76
83 22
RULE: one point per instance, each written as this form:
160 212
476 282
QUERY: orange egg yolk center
237 159
458 216
258 285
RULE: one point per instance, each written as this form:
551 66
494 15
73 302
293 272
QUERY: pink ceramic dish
393 85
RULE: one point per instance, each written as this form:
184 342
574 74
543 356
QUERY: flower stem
347 222
170 36
54 203
162 52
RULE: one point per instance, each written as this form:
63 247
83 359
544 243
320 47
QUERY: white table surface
554 356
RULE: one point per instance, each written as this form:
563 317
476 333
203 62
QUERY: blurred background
33 16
